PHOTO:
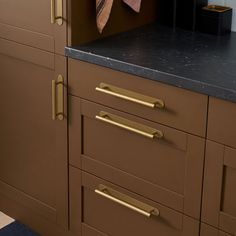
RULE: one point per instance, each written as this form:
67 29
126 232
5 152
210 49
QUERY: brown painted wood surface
181 106
207 230
33 153
221 122
168 171
219 194
102 217
29 23
115 220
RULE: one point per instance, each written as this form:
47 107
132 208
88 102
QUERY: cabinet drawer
120 148
114 211
219 193
138 96
221 122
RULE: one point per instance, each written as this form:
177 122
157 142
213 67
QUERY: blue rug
17 229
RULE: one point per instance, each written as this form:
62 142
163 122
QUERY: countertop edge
147 73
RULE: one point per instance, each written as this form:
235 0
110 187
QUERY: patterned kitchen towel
103 10
134 4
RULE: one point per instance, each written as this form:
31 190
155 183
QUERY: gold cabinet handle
53 99
58 98
126 201
130 96
59 9
129 125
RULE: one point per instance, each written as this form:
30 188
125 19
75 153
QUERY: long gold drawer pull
129 125
59 9
130 96
58 98
126 201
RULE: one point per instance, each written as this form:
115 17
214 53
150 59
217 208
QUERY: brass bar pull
130 96
53 100
127 201
58 98
59 9
129 125
52 12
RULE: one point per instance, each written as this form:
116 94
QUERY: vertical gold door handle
57 12
53 99
58 98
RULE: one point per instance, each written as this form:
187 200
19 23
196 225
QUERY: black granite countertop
195 61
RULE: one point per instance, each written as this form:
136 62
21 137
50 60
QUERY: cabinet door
219 205
207 230
29 22
33 147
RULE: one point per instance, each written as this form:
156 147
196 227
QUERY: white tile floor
5 220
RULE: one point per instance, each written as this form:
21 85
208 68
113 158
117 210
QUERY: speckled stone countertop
195 61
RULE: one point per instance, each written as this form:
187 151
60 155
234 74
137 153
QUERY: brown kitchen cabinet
33 23
158 102
207 230
219 193
108 209
221 122
110 144
33 153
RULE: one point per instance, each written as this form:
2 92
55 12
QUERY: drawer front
138 96
114 211
120 148
207 230
221 122
219 194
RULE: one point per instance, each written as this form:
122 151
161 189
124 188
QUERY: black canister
216 20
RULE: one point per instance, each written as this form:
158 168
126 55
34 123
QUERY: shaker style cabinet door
37 23
33 147
219 194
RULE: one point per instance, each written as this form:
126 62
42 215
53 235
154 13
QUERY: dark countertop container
194 61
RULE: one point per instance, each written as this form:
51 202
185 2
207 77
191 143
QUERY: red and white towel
103 10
